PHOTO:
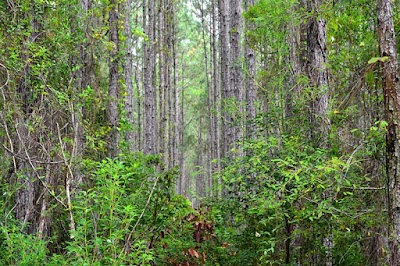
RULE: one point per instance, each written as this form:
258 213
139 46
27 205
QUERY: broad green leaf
382 59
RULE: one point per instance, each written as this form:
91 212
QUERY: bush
284 197
126 214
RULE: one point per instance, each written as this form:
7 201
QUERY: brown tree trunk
251 90
200 176
163 77
113 88
177 133
391 91
181 184
82 77
294 57
82 80
318 78
227 120
150 107
318 75
128 73
25 144
216 89
206 152
236 70
169 20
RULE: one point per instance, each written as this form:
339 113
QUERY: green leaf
382 59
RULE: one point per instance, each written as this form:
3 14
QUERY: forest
199 132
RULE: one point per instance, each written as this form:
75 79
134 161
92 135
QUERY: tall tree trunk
227 120
175 79
169 20
208 152
128 73
82 78
181 186
318 78
318 75
212 105
231 71
251 90
294 57
25 144
216 89
139 110
163 80
200 182
236 70
391 91
150 107
113 88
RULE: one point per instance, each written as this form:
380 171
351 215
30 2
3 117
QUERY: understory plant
284 198
127 208
127 213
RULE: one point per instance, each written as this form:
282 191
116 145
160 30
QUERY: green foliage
382 59
284 192
270 18
21 249
280 197
127 214
120 217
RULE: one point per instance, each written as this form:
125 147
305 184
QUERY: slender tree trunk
212 105
150 107
216 89
391 91
169 20
113 88
227 120
318 78
128 73
82 80
251 90
182 177
207 164
163 80
318 75
175 93
236 69
217 86
200 182
139 110
294 58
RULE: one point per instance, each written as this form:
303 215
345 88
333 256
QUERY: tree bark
150 107
251 90
128 73
113 87
200 176
236 70
181 184
207 153
170 63
25 144
216 90
318 75
296 69
227 120
391 91
163 77
175 80
318 78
